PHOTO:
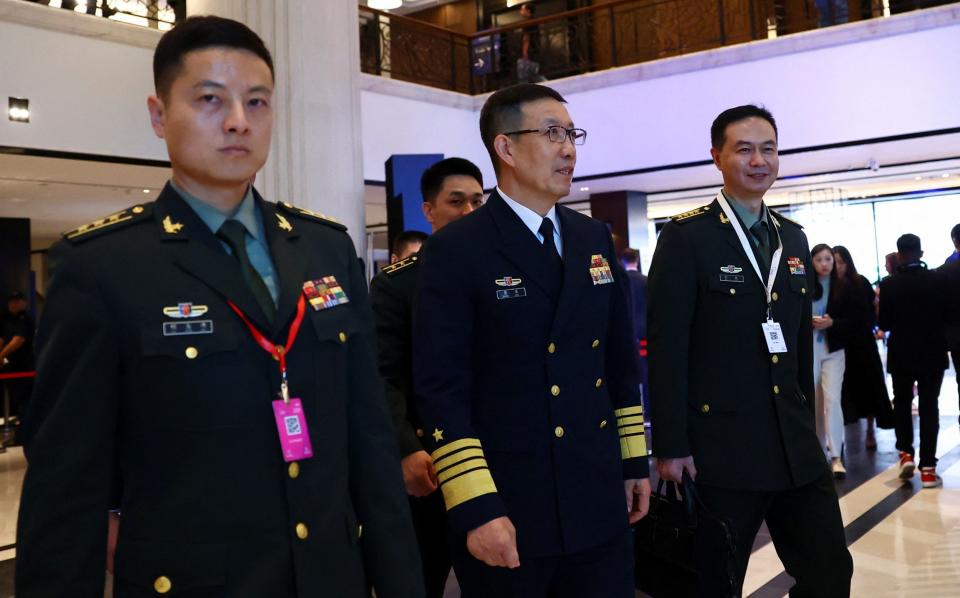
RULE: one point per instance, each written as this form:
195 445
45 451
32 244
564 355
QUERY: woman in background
831 324
864 383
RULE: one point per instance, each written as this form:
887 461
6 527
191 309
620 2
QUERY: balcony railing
594 38
155 14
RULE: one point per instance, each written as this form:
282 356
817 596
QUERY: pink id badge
292 425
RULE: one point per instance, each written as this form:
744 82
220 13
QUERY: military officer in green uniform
207 365
731 369
451 188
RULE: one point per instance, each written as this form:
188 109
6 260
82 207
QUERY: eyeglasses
557 134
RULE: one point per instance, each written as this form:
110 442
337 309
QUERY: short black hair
407 237
631 256
199 33
955 234
718 130
431 181
909 244
503 111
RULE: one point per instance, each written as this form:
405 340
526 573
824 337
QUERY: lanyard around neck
748 249
278 352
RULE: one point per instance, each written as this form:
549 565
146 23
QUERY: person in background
406 244
955 237
949 274
528 64
864 383
832 12
16 356
638 296
451 189
911 310
833 313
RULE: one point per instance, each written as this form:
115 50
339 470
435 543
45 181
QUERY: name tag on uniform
292 426
185 328
512 293
774 337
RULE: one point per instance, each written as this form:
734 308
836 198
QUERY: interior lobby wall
86 95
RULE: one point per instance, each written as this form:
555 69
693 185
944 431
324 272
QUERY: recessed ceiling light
945 175
584 188
917 178
384 4
146 191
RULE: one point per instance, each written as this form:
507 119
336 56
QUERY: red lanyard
279 352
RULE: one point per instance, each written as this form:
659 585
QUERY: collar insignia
284 223
170 227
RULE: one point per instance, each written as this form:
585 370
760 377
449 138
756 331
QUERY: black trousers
928 395
430 523
605 571
806 529
954 346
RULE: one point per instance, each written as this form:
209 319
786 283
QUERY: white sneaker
839 471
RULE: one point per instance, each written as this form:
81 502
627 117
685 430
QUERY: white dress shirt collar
532 220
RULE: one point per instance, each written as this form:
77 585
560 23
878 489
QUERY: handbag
665 539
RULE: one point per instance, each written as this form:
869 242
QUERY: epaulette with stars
396 267
690 214
110 223
311 215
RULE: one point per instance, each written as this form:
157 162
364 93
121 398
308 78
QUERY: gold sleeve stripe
457 457
452 472
633 446
631 430
467 486
629 420
455 446
636 410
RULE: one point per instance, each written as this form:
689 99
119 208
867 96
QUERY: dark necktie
554 263
762 235
233 234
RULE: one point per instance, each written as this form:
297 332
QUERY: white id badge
774 336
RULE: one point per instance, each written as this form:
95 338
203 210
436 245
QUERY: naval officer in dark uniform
207 365
731 370
525 371
451 188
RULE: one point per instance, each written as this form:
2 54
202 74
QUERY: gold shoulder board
398 266
110 223
311 215
690 214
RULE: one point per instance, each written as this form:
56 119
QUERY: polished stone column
316 159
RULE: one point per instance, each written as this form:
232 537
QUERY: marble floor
905 540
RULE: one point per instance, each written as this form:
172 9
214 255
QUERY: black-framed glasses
557 134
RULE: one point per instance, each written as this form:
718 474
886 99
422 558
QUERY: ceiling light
384 4
917 178
146 191
18 110
584 188
945 175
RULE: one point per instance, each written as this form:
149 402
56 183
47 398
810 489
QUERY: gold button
599 382
551 348
733 291
302 531
803 290
774 296
558 431
603 423
293 470
360 527
555 390
596 343
343 337
419 432
776 389
137 210
191 352
705 408
775 359
162 584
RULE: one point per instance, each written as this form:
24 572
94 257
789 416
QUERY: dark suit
912 311
638 298
178 430
744 414
950 291
529 399
392 294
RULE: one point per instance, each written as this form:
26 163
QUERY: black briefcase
664 542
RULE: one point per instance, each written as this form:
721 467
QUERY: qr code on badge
774 336
293 425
